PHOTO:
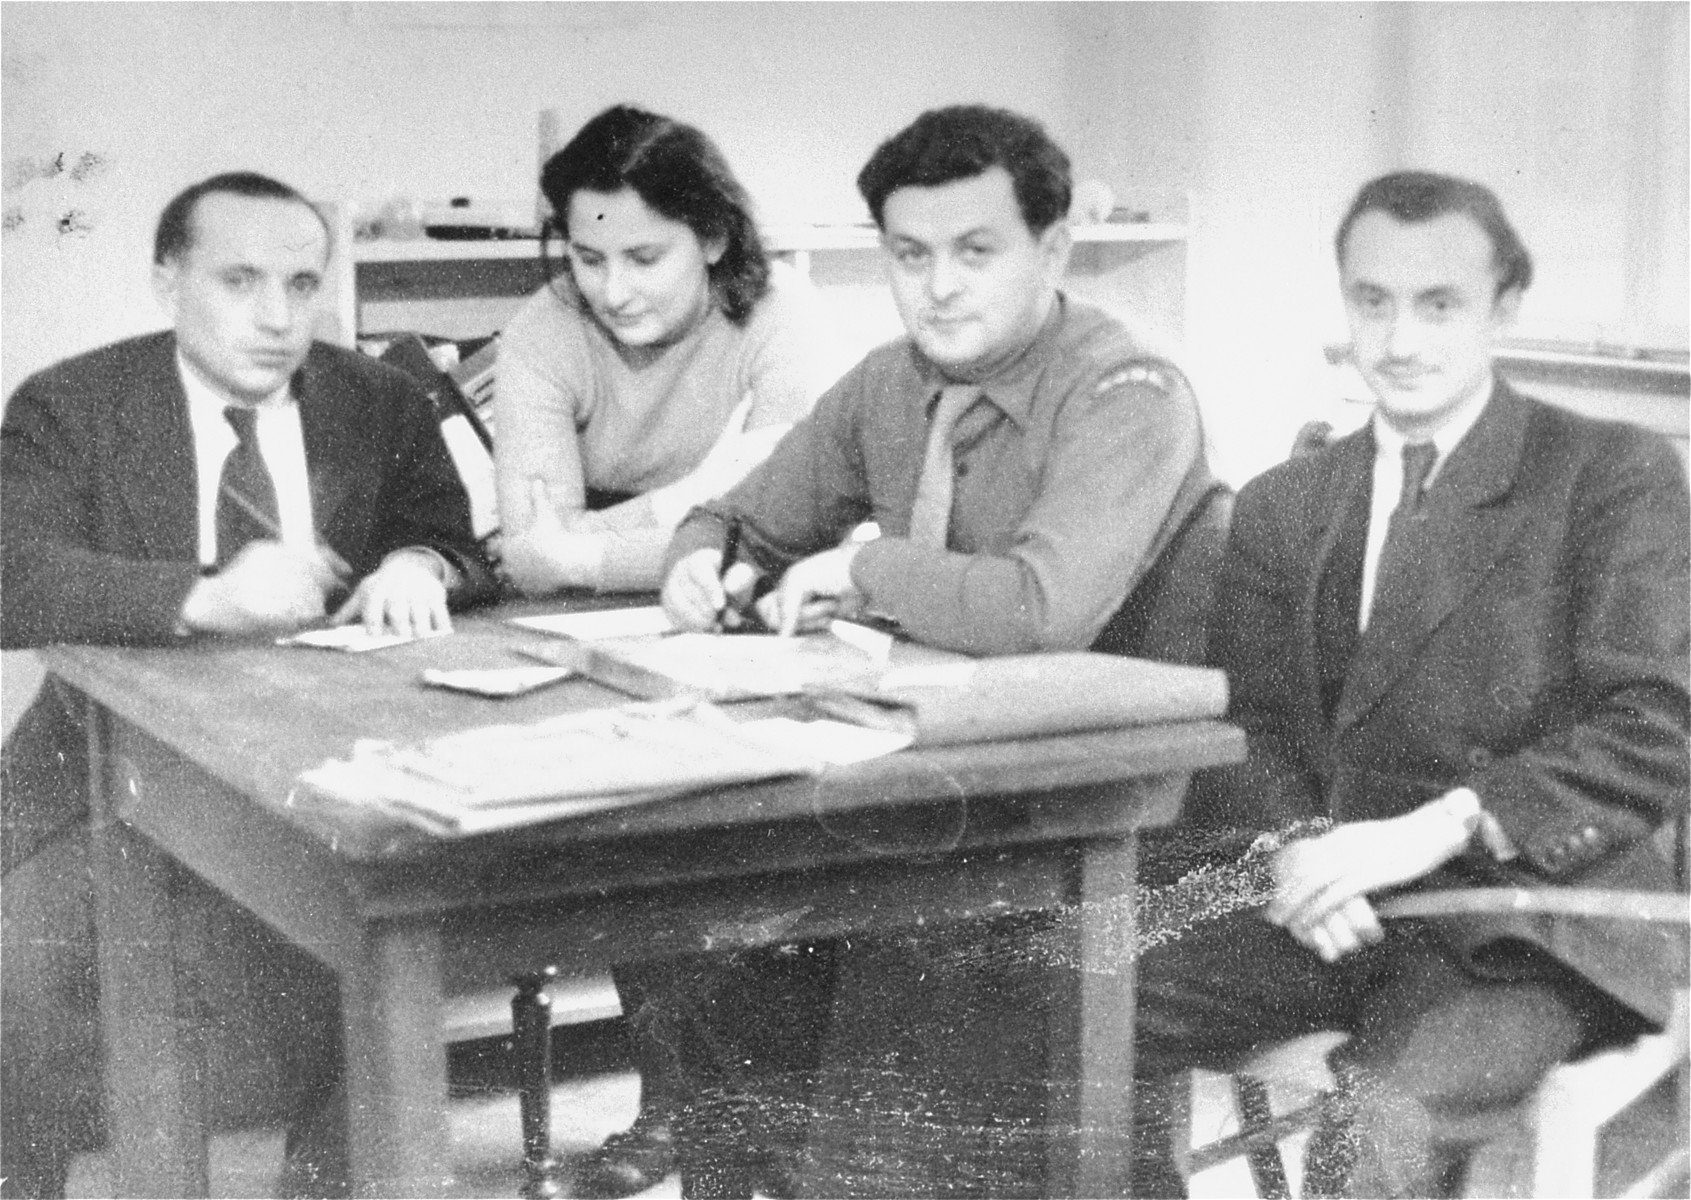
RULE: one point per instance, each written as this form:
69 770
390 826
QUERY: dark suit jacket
1542 663
99 533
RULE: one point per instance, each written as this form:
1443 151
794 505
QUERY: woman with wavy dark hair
649 376
656 370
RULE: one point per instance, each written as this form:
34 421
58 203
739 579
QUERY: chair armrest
1665 908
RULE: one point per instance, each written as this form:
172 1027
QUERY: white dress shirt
281 442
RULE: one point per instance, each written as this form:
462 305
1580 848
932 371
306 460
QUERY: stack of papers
500 776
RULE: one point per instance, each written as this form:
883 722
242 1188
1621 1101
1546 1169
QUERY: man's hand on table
813 592
266 588
406 595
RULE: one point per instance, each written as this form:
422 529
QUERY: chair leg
1256 1118
531 1023
1330 1154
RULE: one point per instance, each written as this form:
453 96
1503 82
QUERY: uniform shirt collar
1011 387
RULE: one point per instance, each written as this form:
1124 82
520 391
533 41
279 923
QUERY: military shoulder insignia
1139 374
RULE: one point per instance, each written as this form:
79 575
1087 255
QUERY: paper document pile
500 776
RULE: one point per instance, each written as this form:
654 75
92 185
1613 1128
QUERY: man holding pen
133 474
1063 454
1027 460
229 477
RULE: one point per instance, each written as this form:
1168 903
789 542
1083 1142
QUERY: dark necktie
246 495
930 515
1399 555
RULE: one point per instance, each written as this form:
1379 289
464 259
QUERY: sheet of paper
606 623
834 742
498 681
351 638
874 643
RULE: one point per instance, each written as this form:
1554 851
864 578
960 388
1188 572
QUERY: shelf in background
1618 368
443 250
1639 371
779 239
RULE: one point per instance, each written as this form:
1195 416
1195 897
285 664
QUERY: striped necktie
246 495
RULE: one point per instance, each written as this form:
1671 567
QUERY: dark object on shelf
480 233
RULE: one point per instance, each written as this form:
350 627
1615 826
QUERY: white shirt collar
281 441
202 397
1389 443
1388 481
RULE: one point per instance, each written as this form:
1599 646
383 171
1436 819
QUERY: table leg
531 1037
1090 1146
391 1012
151 1018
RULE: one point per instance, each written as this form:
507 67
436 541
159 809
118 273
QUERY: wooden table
196 752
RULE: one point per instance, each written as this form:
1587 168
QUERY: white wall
1237 102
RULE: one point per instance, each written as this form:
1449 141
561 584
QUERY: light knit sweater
577 409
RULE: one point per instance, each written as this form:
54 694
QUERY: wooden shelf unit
463 289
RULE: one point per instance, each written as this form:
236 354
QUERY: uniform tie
930 515
246 495
1397 564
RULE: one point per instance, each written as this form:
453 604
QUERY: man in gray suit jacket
1457 640
131 476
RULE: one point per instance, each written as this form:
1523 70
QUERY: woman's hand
545 557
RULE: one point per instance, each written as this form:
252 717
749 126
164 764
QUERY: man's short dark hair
1412 196
175 233
947 144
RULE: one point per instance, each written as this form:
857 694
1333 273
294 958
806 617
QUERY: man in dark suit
1457 640
230 477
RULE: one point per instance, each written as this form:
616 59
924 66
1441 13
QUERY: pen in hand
335 562
730 554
